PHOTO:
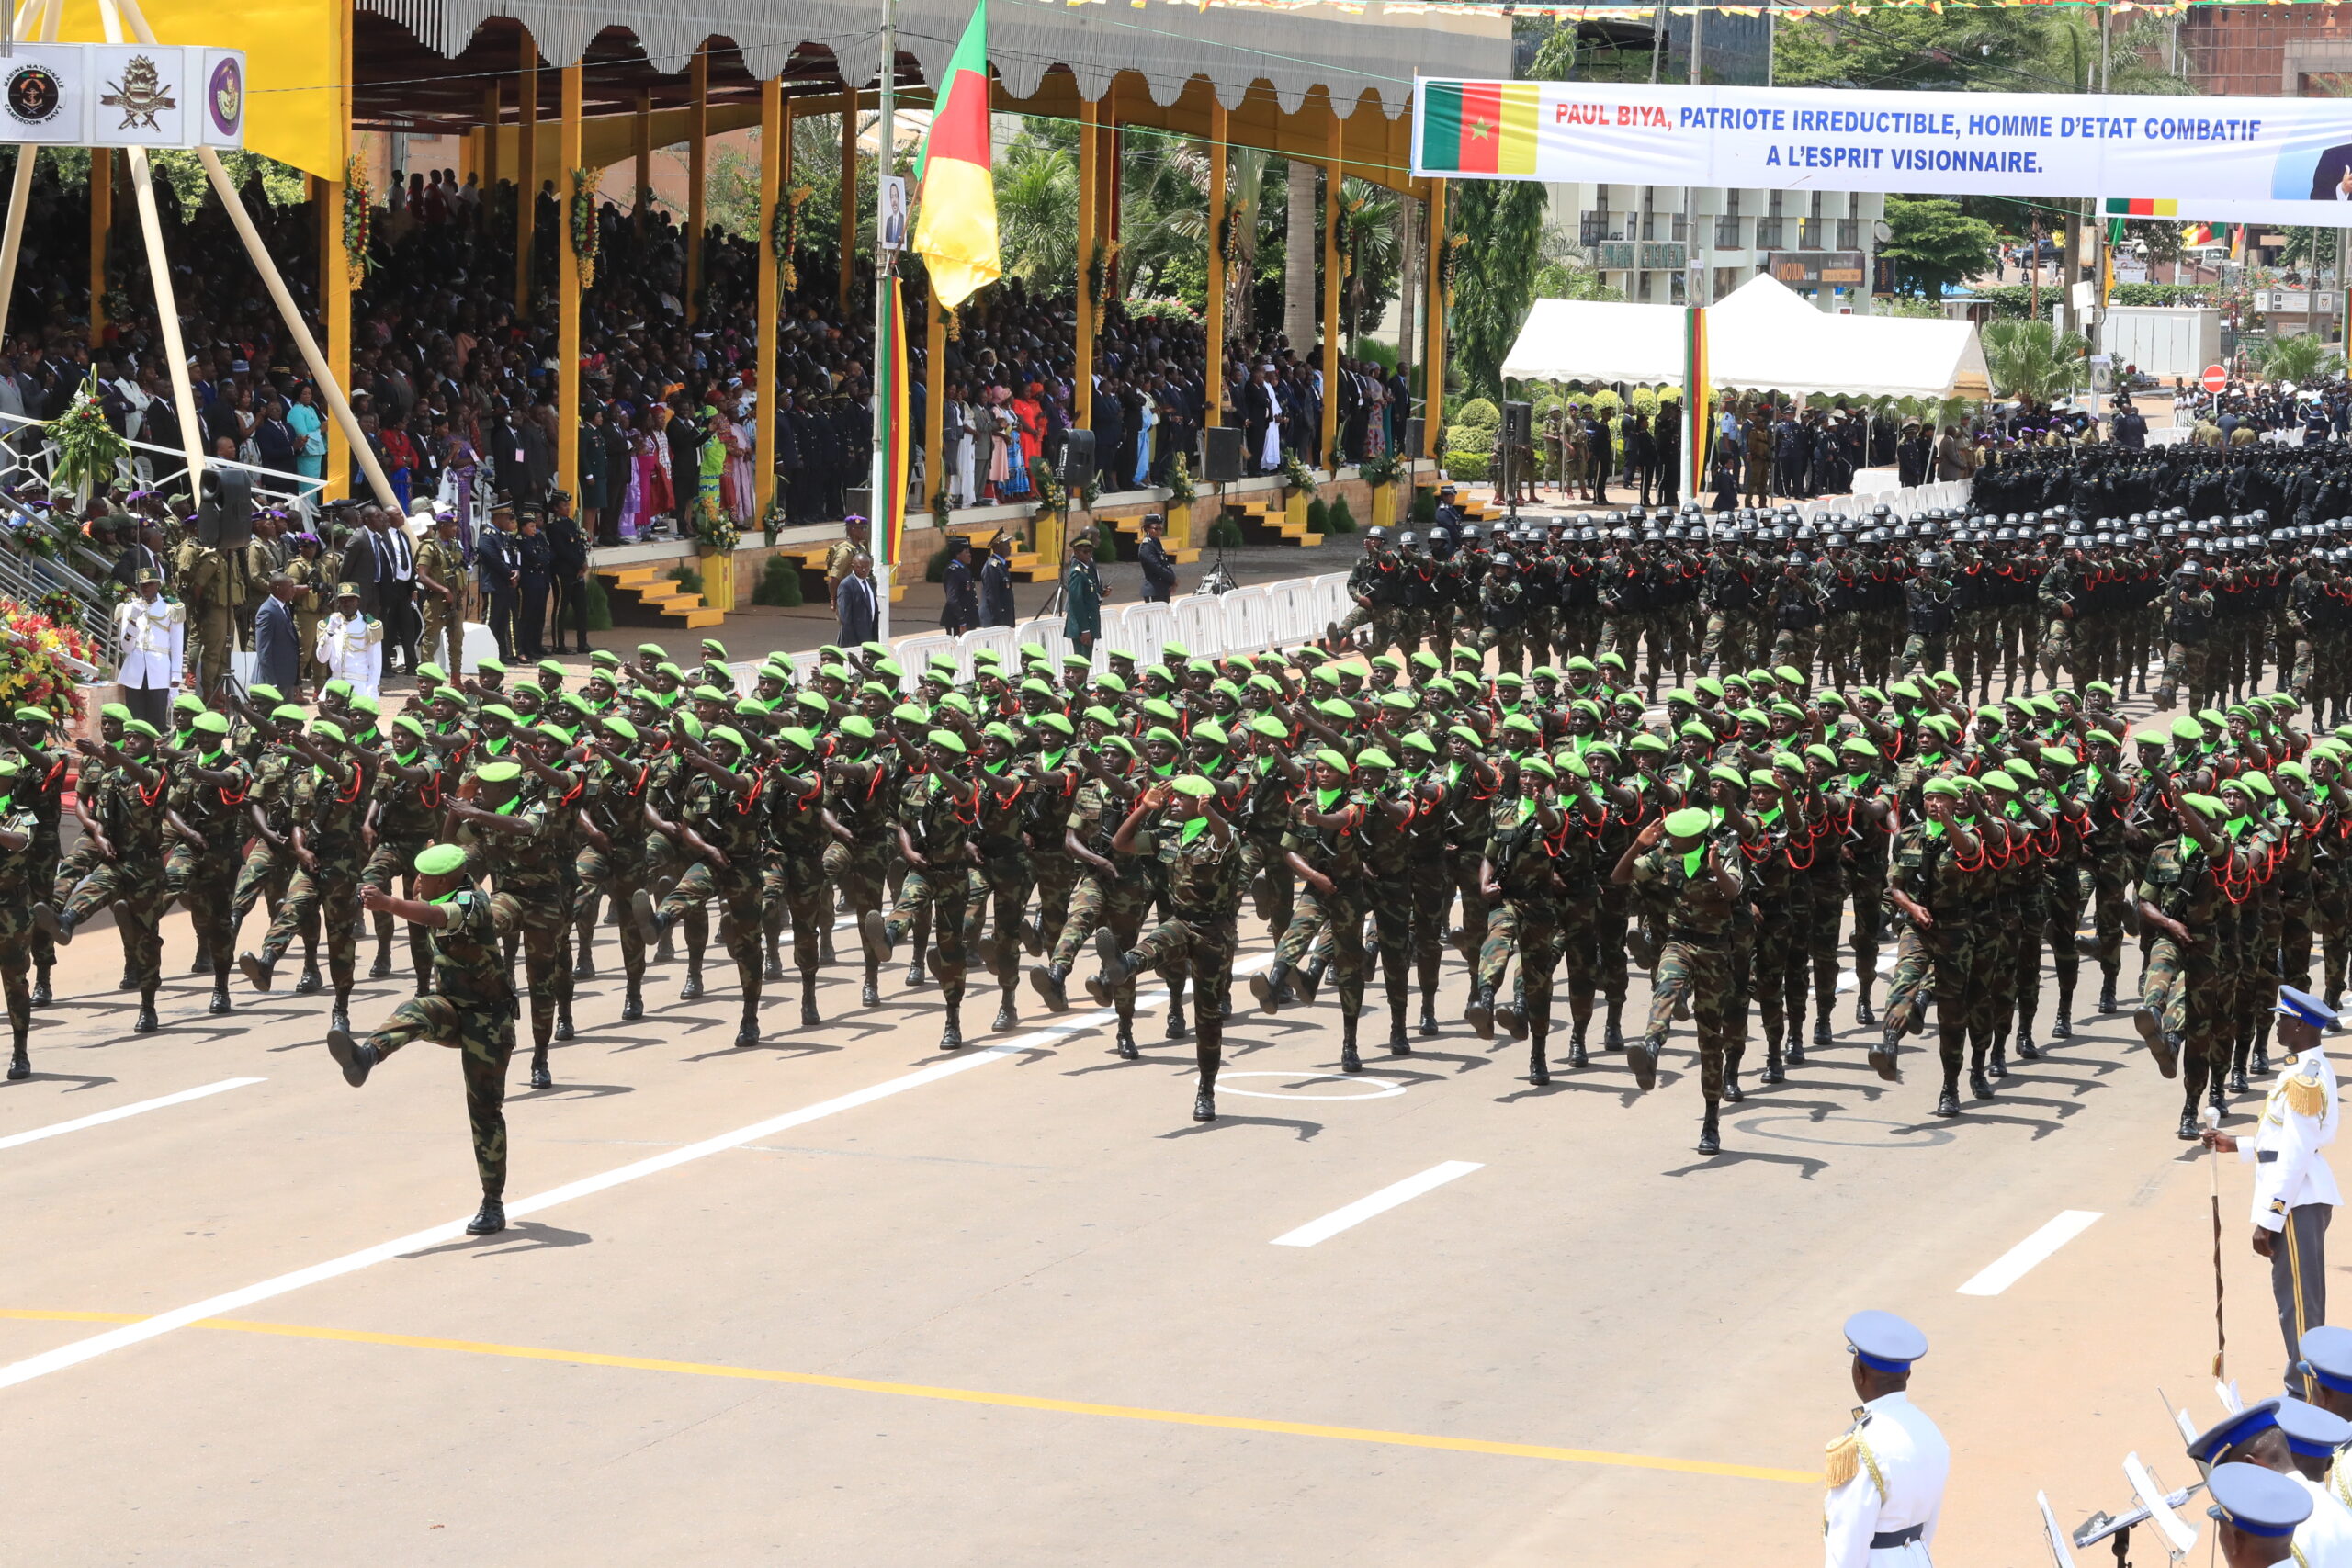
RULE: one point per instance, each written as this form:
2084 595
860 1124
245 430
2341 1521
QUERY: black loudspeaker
1220 455
857 501
1077 459
1518 423
1414 436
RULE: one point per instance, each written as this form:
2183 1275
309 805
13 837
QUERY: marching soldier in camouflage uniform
471 1007
1377 586
1524 891
793 878
329 809
205 809
2187 985
1195 848
719 829
1113 892
125 824
44 774
1675 860
1938 879
2190 612
22 880
612 862
402 817
935 815
856 812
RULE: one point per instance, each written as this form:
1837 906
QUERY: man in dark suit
144 552
1158 566
996 583
273 438
277 646
393 574
2332 177
854 602
568 570
961 611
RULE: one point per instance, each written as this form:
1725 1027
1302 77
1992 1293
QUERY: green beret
212 724
1728 774
1155 708
408 725
283 710
2188 729
1101 716
439 860
1374 757
1822 752
730 734
1212 732
1540 766
603 658
1763 778
1691 822
2255 783
500 772
1161 732
1519 721
1942 786
322 730
1333 760
1004 732
34 715
1193 786
912 713
365 703
187 702
2059 757
1419 742
947 740
493 667
799 739
140 727
547 667
500 710
1270 727
2003 779
621 727
960 703
2204 805
1855 745
1694 731
121 715
1056 721
1646 741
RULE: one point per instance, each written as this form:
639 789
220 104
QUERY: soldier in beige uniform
441 594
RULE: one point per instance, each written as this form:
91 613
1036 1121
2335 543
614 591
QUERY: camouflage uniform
1338 854
329 810
407 818
614 798
1526 922
2192 988
268 868
525 876
204 879
1954 960
1197 940
471 1007
792 874
132 882
1696 964
937 825
733 824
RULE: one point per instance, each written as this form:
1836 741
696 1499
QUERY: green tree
2301 359
1036 209
1501 224
1370 253
2032 359
1934 245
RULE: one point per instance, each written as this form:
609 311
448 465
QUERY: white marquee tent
1759 336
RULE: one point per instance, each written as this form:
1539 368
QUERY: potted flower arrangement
33 671
716 537
88 448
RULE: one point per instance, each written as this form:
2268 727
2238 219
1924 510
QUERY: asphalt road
839 1298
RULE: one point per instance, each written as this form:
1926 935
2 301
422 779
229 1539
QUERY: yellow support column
1434 328
1089 153
775 132
1212 414
334 271
639 203
567 288
101 229
849 196
1329 434
697 166
527 170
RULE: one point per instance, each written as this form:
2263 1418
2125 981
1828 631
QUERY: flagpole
885 506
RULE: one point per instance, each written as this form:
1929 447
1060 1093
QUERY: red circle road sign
2215 377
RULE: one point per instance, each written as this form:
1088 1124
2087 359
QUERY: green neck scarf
1327 798
1193 829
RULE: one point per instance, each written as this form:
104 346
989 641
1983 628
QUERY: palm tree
2300 360
1301 245
1368 251
1245 187
1036 211
1567 271
2033 360
1164 185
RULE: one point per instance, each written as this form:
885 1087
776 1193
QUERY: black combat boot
1051 982
1711 1137
950 1036
1539 1071
1480 1013
1349 1061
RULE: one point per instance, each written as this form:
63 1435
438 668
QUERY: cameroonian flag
1697 383
956 227
2117 207
2196 234
1480 128
890 462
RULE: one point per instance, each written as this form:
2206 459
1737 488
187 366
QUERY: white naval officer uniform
2295 1192
1886 1488
352 648
151 642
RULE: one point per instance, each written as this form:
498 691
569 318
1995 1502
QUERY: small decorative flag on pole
890 364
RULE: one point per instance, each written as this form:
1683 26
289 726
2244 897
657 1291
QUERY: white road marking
2019 1261
1380 1202
101 1118
130 1333
1380 1088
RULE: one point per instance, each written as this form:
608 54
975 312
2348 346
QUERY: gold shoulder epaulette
2306 1095
1845 1458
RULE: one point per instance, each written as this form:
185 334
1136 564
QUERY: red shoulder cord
162 777
1961 864
744 804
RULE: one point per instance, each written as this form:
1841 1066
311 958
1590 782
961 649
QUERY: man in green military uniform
23 878
441 594
126 824
471 1007
718 829
1521 887
404 815
44 774
792 874
512 843
1113 891
934 829
205 808
328 808
1673 861
2187 989
1202 867
856 813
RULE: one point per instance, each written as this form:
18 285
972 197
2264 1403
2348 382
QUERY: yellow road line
965 1397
